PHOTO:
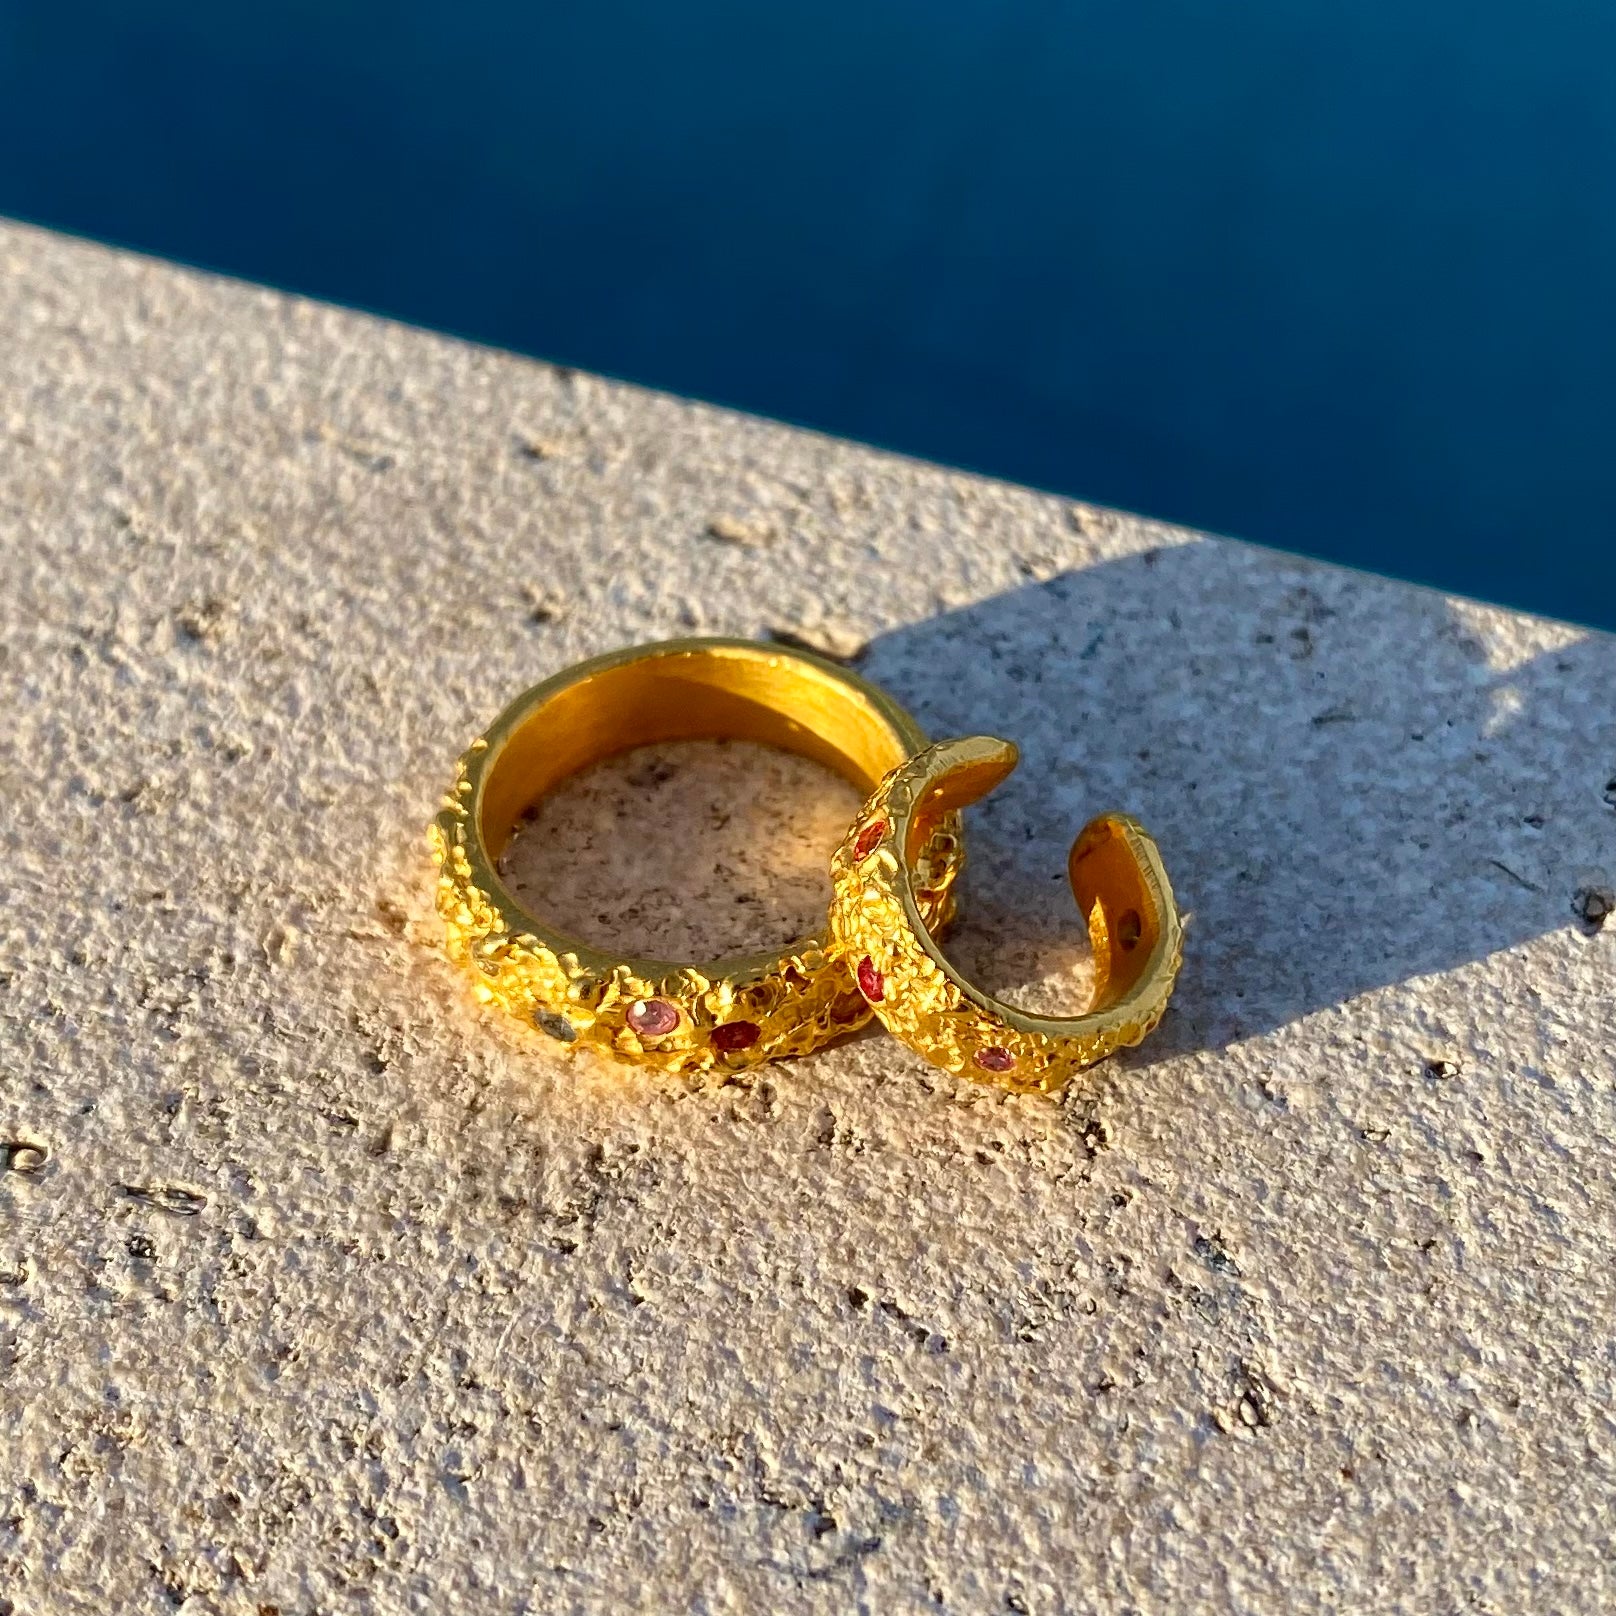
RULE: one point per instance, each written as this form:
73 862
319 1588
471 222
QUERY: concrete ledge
320 1291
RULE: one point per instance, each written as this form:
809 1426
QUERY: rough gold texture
798 1000
878 900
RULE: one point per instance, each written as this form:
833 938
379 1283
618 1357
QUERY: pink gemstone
871 983
736 1035
868 837
994 1059
651 1018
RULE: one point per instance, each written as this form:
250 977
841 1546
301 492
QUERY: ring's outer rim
511 717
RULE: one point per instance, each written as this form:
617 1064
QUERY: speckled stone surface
685 850
321 1290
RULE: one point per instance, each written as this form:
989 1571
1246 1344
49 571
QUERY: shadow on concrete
1348 789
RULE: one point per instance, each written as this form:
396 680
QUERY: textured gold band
679 1016
882 931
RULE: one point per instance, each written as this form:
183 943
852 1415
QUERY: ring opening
725 690
1109 884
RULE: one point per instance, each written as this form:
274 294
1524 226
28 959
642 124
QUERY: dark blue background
1339 278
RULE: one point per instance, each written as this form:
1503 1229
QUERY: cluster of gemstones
681 1018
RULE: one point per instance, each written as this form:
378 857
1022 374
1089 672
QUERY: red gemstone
868 837
736 1035
994 1059
652 1018
871 983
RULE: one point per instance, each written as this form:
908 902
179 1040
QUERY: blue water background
1337 278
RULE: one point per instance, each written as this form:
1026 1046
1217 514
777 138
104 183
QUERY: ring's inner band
1125 929
709 694
1108 877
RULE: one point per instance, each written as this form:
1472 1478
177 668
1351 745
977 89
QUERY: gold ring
679 1016
882 931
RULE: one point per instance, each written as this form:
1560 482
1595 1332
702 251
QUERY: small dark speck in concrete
172 1198
1593 906
1514 875
23 1156
544 605
831 641
1256 1405
206 622
1211 1251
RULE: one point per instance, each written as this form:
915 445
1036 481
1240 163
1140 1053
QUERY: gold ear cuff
880 919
